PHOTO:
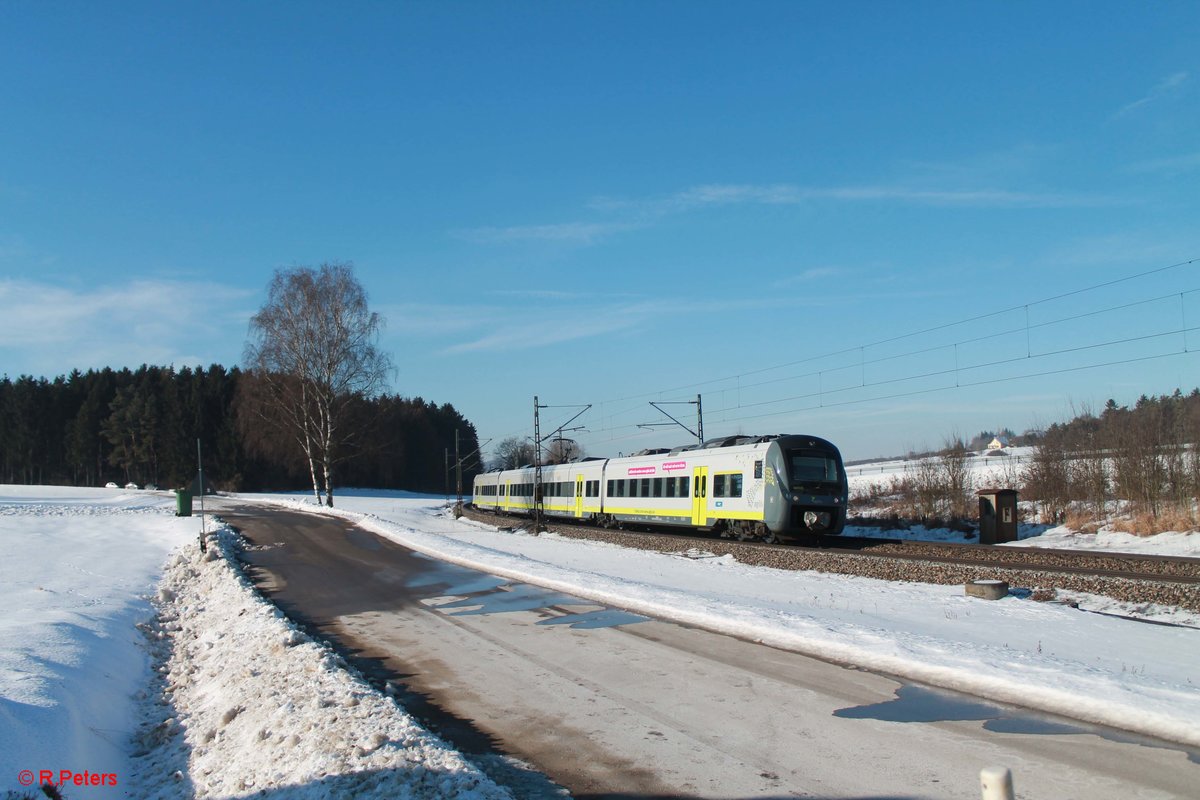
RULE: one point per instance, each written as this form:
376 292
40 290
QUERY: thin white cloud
807 276
1135 250
508 328
1173 165
1168 86
48 329
636 213
541 294
505 330
711 195
571 233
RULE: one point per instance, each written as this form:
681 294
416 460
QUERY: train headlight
816 520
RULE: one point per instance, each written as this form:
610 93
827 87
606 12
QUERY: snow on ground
250 703
75 568
1099 668
246 702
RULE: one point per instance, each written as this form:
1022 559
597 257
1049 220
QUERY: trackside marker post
996 783
200 468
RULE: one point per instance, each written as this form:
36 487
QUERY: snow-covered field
242 700
76 567
252 704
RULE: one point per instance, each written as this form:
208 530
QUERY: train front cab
807 489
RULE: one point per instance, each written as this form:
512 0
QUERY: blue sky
612 203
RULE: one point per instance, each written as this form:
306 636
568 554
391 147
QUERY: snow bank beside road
249 704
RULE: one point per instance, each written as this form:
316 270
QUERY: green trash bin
183 503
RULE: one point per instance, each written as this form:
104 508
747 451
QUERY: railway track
1044 573
1118 565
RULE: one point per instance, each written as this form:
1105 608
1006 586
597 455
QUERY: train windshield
811 466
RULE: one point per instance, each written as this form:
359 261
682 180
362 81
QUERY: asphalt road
613 705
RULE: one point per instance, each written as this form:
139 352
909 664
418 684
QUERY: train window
810 466
683 486
735 485
758 469
670 487
645 487
658 487
611 490
719 486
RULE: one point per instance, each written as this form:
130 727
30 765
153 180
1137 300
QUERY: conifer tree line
141 426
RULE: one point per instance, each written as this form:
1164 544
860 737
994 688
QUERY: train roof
708 444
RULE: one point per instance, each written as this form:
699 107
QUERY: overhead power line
608 423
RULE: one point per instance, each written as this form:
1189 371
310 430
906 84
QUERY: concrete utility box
997 515
183 503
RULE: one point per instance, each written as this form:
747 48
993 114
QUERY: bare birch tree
311 351
512 452
563 451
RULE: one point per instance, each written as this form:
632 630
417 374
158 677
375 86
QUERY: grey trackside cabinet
997 515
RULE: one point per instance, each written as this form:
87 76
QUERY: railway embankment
1043 573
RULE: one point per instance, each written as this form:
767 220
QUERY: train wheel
765 534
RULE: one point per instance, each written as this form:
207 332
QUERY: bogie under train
768 487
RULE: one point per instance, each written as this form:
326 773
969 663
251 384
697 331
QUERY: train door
507 495
579 495
700 496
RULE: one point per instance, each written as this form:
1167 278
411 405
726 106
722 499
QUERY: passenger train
750 487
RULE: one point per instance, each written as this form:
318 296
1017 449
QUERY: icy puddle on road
922 704
460 591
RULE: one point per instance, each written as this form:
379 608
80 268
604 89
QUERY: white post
996 783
